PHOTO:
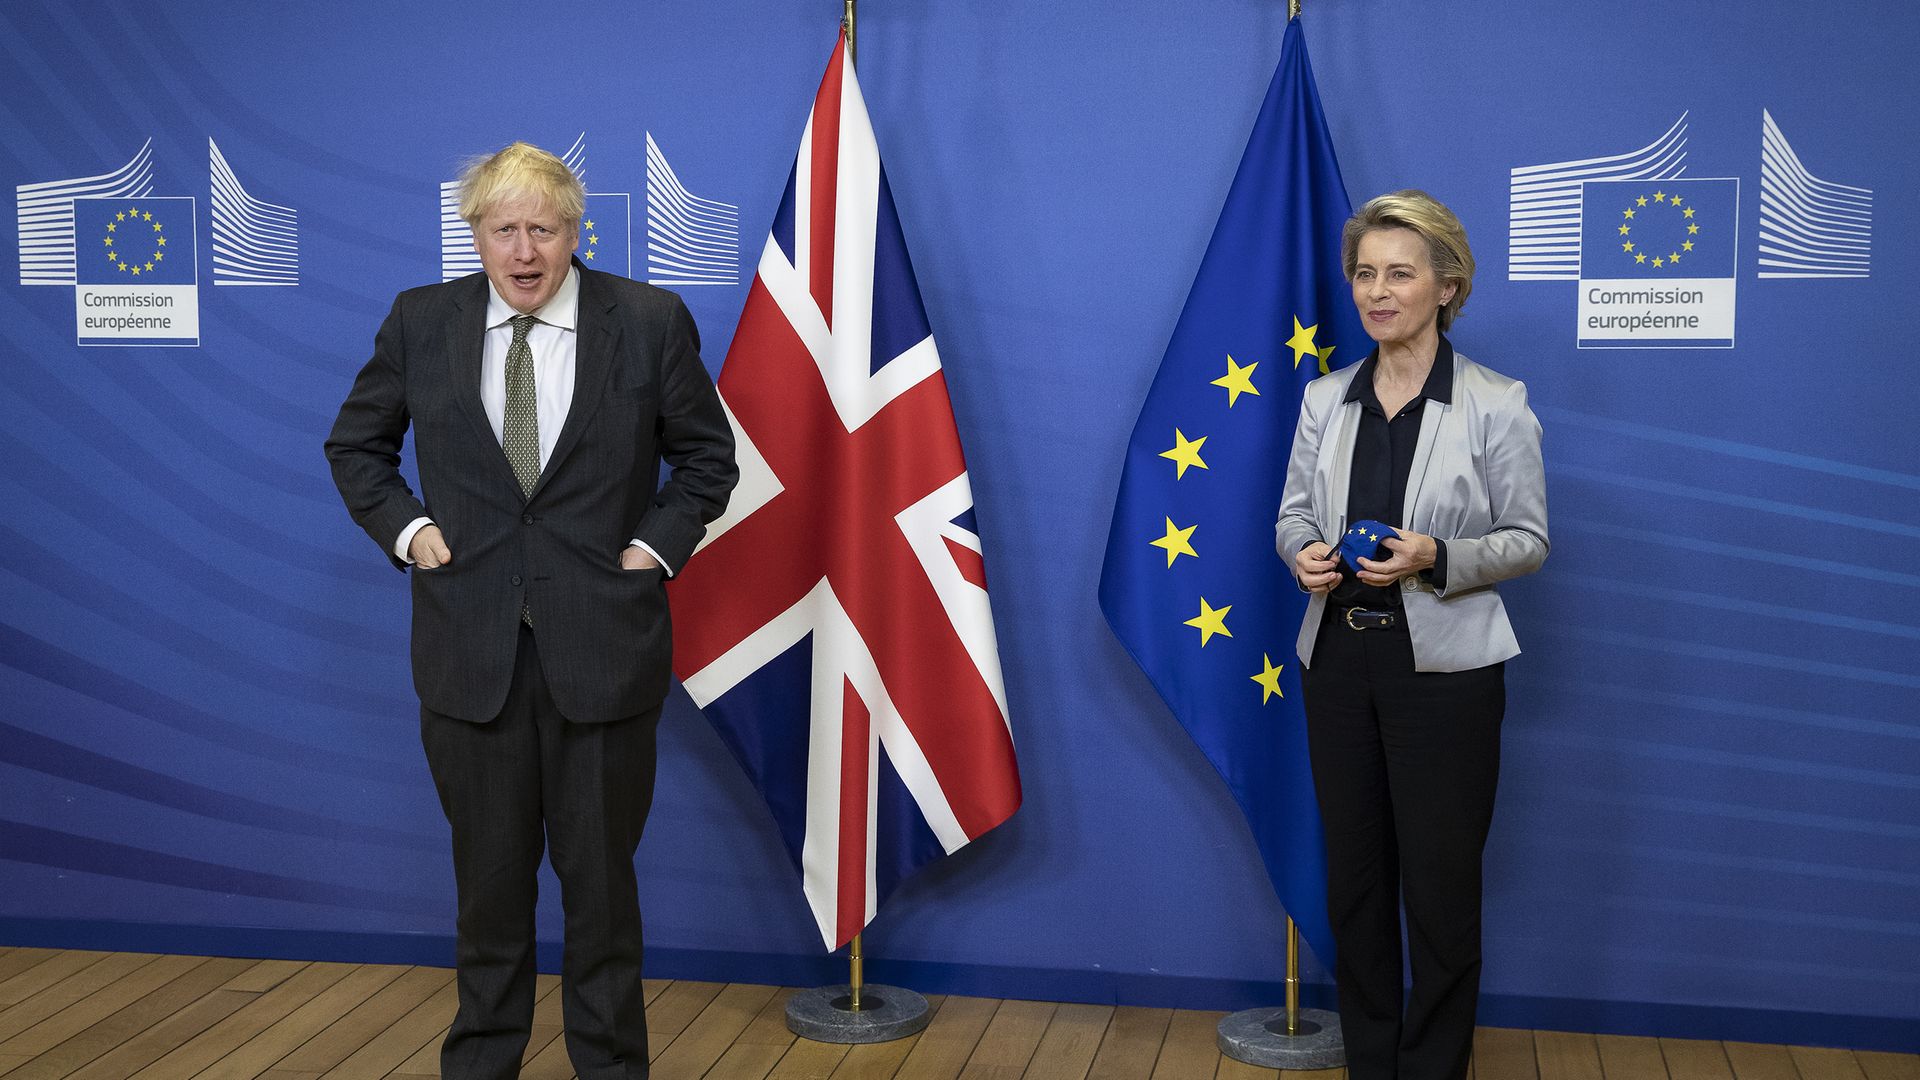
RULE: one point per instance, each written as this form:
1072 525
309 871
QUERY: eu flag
1192 585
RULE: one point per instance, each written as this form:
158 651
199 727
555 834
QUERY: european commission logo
132 258
1655 251
690 240
136 280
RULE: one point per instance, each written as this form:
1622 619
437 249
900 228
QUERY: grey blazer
1477 482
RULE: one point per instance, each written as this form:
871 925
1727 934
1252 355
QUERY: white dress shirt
554 340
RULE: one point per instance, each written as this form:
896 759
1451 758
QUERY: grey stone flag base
1259 1037
886 1013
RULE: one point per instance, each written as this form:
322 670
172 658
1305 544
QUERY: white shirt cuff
641 544
402 548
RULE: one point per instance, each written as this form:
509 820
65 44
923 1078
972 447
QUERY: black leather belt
1366 619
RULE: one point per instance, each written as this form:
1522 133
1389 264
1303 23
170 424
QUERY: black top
1382 459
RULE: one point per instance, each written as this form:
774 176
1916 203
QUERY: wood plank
1884 1066
1695 1059
1133 1042
1565 1055
159 1003
943 1048
17 1018
653 988
1630 1057
412 1032
134 1054
670 1013
99 1005
280 1038
706 1039
53 969
760 1045
1009 1041
1316 1074
809 1060
1067 1050
1505 1053
1758 1061
881 1061
17 960
206 1049
1820 1063
337 1041
1192 1047
265 975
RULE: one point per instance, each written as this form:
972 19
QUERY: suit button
516 581
1411 583
526 519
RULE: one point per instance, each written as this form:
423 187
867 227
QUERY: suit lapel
469 342
1433 414
596 334
1346 416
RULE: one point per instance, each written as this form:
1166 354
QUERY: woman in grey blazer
1403 654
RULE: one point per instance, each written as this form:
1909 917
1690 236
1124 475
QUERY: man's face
525 248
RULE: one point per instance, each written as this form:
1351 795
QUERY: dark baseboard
1898 1034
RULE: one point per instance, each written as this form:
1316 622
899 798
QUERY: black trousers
530 780
1405 764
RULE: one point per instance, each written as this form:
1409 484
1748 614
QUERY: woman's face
1394 287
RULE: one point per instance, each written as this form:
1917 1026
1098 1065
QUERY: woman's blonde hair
1428 218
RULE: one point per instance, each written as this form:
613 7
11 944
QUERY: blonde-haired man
543 397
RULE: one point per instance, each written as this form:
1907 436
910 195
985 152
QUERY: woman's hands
1316 570
1412 552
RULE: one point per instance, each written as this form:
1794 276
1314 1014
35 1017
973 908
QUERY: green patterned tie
520 432
520 429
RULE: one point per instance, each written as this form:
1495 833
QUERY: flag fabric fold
834 624
1192 585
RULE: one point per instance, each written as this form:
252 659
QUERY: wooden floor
110 1016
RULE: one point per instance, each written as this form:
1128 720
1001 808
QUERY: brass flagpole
856 974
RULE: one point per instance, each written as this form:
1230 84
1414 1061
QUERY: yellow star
122 266
1185 453
1639 258
156 226
111 257
162 241
1238 380
149 268
1687 213
1674 257
1641 201
589 225
1692 229
111 226
1177 542
108 241
158 255
1688 246
587 255
1629 213
1658 196
1656 260
1210 621
122 216
1625 229
1628 246
1302 341
1676 200
136 270
592 239
148 216
1269 679
1324 354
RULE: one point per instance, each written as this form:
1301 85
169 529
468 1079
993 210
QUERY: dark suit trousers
1405 764
526 781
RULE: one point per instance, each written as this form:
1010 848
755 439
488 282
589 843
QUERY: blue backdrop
1710 799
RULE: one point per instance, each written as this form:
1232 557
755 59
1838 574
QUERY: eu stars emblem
135 276
606 236
1656 263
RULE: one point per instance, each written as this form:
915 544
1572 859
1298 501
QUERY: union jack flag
834 624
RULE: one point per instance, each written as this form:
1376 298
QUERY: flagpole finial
846 24
1293 9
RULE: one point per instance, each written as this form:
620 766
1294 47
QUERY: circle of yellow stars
1639 250
136 222
1185 454
592 239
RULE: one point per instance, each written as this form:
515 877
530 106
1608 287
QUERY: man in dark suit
543 397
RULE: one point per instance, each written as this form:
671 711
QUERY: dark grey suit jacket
641 396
